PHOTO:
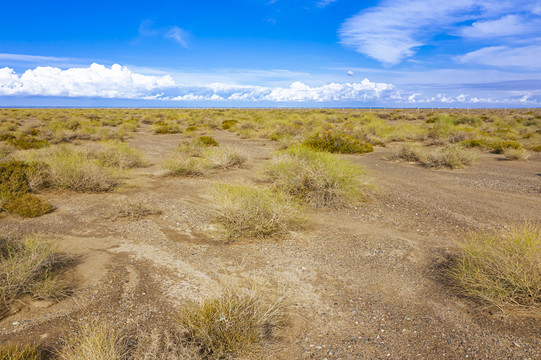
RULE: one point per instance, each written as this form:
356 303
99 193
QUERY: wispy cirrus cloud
395 29
505 56
148 29
324 3
32 58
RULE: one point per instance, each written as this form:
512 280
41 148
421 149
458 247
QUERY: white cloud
391 31
504 56
31 58
508 25
94 81
179 35
324 3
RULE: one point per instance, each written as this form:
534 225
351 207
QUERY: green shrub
536 148
228 124
20 352
233 324
207 141
28 142
337 143
30 266
249 211
182 164
515 154
162 127
473 143
316 178
28 205
13 180
191 128
502 269
500 146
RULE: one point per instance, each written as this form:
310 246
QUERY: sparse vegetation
119 155
234 323
249 211
131 208
316 178
407 152
30 266
20 352
501 269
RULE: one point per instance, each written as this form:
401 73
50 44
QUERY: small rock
42 304
15 323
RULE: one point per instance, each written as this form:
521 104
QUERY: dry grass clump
31 266
407 152
451 156
196 159
316 178
119 155
20 352
515 154
249 211
131 208
226 157
501 269
162 127
163 345
233 324
96 339
337 143
74 170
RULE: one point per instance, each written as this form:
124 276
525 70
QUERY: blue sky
278 53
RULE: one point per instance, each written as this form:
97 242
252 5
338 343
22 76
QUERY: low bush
28 142
162 127
182 164
316 178
515 154
28 205
503 269
233 324
20 352
451 156
206 141
119 155
499 147
191 128
473 143
333 142
226 158
228 124
249 211
536 148
31 266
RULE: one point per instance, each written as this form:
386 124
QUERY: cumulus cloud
391 31
120 82
505 56
93 81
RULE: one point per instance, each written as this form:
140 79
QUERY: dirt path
364 283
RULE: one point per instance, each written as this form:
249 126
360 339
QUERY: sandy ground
363 283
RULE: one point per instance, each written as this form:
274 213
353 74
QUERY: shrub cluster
333 142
